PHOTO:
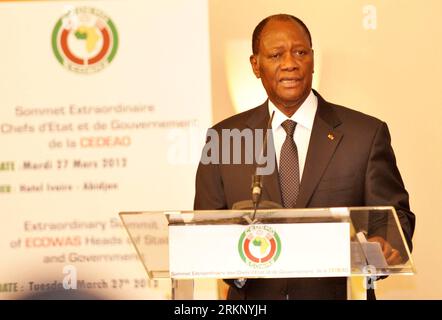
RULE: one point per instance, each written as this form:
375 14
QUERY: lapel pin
331 136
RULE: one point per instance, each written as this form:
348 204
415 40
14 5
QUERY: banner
102 105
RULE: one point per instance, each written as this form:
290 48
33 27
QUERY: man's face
284 63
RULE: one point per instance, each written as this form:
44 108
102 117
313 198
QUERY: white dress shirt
304 118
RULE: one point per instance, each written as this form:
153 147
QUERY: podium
274 243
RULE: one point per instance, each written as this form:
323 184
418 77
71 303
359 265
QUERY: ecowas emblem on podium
259 246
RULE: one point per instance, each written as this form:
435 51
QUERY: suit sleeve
383 183
209 190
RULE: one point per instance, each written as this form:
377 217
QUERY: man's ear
255 65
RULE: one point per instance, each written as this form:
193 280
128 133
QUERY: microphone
257 183
256 189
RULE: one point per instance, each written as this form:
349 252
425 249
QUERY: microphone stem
255 207
257 179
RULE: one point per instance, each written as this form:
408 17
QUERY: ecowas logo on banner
85 40
259 246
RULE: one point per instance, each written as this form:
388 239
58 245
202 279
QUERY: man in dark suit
326 155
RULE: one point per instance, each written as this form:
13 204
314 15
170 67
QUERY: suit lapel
271 188
323 142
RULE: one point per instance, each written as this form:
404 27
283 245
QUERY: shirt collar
304 116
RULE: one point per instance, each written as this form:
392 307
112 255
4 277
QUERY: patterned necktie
289 167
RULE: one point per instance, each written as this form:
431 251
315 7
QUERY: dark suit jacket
356 168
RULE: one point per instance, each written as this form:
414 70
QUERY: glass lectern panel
378 246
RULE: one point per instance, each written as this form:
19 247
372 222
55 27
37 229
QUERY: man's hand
391 255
